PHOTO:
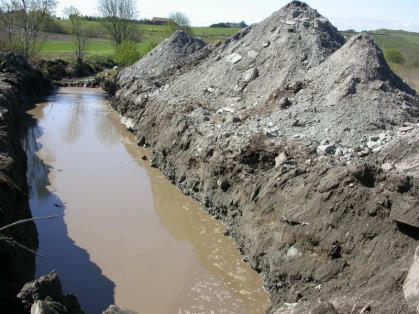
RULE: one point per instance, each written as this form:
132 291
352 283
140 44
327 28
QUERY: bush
150 46
394 56
126 54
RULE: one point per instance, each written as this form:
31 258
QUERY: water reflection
162 252
76 119
79 275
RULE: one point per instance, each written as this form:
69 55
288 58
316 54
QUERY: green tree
22 22
126 53
180 21
78 32
118 17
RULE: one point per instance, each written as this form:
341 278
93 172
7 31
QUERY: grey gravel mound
304 145
165 56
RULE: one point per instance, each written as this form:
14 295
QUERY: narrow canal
125 235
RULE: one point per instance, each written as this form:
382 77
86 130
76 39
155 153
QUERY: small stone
387 166
253 54
335 250
324 308
228 109
405 129
234 58
293 252
280 160
250 75
224 185
266 44
113 309
141 141
327 149
363 153
284 103
236 119
144 157
154 163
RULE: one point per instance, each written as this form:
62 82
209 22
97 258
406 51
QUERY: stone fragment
411 284
47 307
253 54
250 75
284 103
405 129
280 159
266 44
234 58
326 149
324 308
387 166
113 309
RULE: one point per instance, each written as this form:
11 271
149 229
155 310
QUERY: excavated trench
124 235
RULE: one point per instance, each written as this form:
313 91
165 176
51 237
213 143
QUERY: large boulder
45 295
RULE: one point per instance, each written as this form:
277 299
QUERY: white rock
234 58
280 160
250 75
406 129
411 284
387 166
293 252
228 109
253 54
128 123
266 44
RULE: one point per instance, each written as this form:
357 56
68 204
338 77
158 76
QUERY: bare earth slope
18 80
304 145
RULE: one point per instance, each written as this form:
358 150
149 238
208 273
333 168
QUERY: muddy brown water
125 235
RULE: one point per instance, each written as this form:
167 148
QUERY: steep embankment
18 80
304 145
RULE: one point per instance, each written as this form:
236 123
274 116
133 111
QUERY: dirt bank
18 82
304 145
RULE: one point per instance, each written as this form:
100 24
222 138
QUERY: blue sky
356 14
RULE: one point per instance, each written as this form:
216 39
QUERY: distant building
161 20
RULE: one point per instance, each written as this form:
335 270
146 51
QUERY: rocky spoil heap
289 135
17 81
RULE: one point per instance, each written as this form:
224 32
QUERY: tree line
22 25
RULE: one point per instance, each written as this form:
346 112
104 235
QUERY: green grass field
60 43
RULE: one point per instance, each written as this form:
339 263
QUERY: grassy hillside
59 43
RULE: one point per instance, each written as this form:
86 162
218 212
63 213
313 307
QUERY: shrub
394 56
126 53
150 46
